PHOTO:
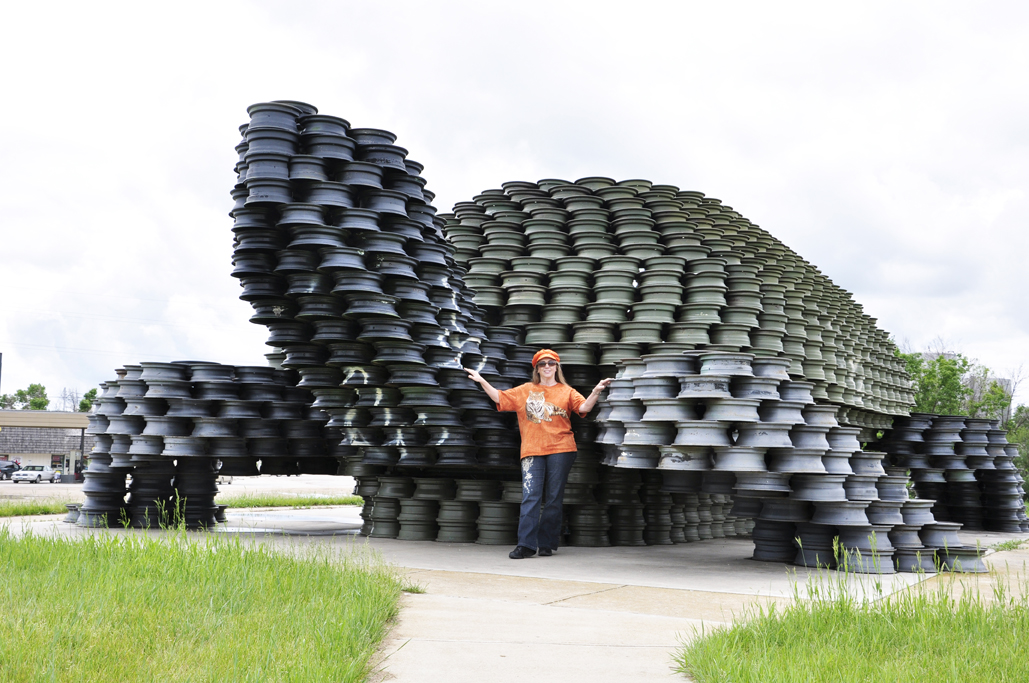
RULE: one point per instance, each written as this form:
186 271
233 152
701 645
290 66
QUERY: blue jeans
543 486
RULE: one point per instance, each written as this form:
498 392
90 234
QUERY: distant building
1009 387
43 437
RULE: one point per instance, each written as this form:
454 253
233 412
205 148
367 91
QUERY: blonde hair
559 376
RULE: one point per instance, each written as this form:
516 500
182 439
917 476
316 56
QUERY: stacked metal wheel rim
747 397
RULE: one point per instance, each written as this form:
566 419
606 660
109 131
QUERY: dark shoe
546 552
521 552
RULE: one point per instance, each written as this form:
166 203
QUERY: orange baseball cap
545 353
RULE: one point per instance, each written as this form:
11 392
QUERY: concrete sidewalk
481 627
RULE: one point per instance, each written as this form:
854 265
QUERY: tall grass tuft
171 608
841 634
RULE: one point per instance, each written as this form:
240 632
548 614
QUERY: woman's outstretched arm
493 394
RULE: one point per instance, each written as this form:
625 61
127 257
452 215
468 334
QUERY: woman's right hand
486 386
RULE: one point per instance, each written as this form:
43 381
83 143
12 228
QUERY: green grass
19 508
104 608
285 500
919 634
248 500
1013 544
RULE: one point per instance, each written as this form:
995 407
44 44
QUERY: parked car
7 468
34 474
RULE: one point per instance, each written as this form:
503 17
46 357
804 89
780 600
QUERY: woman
548 447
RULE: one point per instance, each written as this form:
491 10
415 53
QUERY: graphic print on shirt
537 409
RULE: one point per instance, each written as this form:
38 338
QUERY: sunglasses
546 364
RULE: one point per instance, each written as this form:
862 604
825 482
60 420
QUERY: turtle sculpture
752 396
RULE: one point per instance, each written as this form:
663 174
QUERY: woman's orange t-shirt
543 416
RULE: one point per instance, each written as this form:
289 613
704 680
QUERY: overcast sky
887 143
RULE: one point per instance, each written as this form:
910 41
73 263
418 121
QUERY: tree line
949 383
35 398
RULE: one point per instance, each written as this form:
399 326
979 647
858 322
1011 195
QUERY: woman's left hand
594 396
